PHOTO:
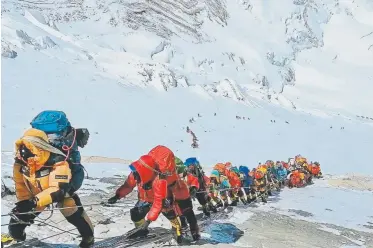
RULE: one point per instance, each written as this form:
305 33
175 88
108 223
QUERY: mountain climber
271 177
219 187
235 192
152 197
296 179
197 185
165 160
314 169
292 164
247 182
181 169
281 173
160 190
307 174
300 160
197 182
42 175
286 166
65 138
260 184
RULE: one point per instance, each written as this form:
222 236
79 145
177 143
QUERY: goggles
136 175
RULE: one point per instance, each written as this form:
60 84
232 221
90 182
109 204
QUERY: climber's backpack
51 121
61 135
56 125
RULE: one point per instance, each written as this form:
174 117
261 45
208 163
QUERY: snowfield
254 80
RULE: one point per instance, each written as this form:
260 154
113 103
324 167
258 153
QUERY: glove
24 206
193 192
146 224
113 199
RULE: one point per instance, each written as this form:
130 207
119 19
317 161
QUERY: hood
146 168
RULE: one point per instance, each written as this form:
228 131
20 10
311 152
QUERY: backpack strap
66 148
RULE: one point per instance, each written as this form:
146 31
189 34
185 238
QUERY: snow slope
283 78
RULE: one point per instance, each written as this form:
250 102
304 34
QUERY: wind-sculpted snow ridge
279 51
165 18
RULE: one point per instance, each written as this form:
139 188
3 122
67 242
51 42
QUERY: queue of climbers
228 185
47 170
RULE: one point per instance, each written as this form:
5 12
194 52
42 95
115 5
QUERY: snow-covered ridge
289 48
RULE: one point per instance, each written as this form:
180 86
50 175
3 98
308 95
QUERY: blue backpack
51 121
56 125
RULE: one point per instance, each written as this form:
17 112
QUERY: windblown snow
254 80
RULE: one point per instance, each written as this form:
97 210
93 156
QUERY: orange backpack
315 170
165 160
220 167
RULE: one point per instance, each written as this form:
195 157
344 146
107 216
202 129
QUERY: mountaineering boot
220 204
6 239
264 197
213 205
176 227
184 226
234 201
196 236
206 211
72 209
213 209
87 242
17 231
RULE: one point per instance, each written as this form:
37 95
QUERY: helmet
220 168
215 173
279 164
316 163
270 163
235 170
180 169
191 161
244 170
178 161
144 169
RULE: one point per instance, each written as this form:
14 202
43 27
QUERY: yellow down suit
42 176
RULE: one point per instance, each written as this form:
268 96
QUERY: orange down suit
178 189
314 169
157 173
155 195
193 181
165 161
233 178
